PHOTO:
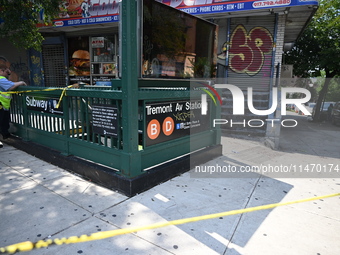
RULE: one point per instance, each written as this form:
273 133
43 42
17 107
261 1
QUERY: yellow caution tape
63 93
61 96
36 90
27 246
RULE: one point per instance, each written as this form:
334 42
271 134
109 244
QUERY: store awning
85 29
297 18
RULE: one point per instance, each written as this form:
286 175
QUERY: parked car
335 118
323 110
309 107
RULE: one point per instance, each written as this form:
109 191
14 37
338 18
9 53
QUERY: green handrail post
131 163
25 119
66 134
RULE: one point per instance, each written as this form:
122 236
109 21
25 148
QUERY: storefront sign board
97 12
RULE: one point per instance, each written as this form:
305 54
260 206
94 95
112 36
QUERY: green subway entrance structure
131 119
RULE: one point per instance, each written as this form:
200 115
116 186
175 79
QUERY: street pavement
39 201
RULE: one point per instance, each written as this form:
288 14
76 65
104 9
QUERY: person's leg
4 123
1 121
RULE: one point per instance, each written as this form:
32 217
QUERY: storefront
85 53
83 44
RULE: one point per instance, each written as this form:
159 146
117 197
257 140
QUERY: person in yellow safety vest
5 100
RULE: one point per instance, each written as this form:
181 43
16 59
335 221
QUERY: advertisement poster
171 120
79 60
85 12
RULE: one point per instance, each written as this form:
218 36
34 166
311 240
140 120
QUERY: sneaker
1 145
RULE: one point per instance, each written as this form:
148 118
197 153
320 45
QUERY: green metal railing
70 130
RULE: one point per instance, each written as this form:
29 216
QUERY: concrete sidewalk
41 201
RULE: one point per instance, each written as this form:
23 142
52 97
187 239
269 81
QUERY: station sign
166 121
44 104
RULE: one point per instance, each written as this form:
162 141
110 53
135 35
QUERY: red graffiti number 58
247 51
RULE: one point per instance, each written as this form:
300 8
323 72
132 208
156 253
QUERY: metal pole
131 157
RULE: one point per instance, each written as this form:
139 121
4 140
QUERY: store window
176 44
92 59
104 59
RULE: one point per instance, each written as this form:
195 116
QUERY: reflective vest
5 98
